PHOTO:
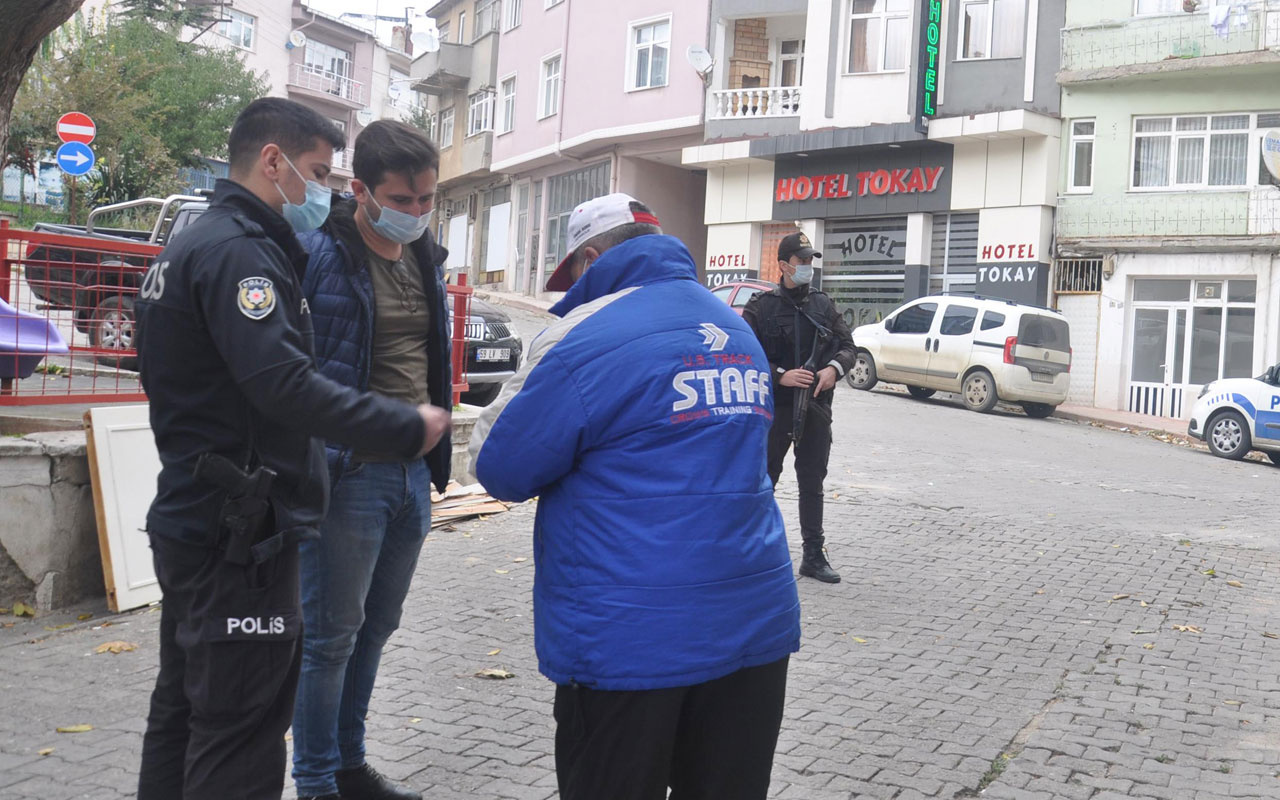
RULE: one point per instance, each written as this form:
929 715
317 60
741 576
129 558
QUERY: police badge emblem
257 298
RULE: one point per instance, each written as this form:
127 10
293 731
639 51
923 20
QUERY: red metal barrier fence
67 323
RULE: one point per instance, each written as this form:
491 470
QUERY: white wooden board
124 465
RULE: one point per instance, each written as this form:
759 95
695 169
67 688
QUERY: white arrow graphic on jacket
77 158
713 336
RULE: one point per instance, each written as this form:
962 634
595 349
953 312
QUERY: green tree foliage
169 14
159 103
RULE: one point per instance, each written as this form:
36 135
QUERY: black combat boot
815 565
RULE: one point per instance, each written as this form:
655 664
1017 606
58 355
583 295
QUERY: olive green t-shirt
401 328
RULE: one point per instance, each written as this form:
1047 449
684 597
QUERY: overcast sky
387 8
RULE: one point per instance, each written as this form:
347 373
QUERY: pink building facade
594 98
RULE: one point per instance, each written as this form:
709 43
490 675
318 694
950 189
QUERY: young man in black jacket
809 348
225 351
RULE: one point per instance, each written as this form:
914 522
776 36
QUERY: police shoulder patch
256 298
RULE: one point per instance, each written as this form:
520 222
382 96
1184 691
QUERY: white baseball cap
589 220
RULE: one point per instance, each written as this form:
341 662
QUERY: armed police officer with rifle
809 348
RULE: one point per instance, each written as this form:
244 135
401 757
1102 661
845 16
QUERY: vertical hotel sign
927 62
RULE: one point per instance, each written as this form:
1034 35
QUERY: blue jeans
354 579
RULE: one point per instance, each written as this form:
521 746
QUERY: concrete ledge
49 553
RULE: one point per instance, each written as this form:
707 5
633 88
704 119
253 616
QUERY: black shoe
815 565
366 783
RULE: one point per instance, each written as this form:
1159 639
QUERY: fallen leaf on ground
495 674
4 611
1233 702
1270 635
502 571
1188 629
1119 597
1212 573
288 737
83 617
520 560
1144 603
1184 542
859 640
495 651
415 720
1039 591
44 751
1235 584
1149 646
1140 632
115 648
23 610
75 729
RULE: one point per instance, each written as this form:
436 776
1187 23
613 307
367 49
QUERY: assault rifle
819 355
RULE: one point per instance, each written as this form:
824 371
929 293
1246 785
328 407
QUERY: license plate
493 354
1042 377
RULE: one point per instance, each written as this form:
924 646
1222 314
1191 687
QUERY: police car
1237 415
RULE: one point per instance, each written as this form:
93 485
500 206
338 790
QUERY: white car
1236 415
986 350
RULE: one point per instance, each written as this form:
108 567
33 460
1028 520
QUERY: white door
952 346
1157 356
1081 311
905 350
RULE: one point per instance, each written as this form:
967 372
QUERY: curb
1132 427
514 301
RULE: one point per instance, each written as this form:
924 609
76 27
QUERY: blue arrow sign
75 158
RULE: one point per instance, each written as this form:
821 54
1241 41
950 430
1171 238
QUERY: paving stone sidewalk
1030 609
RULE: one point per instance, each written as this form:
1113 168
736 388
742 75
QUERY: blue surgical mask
313 211
397 225
804 274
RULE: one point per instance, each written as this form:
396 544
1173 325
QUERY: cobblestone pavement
1037 609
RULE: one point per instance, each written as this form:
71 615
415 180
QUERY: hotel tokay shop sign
868 182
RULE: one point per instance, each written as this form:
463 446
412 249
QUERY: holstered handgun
246 506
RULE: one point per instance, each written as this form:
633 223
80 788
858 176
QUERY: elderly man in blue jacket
664 605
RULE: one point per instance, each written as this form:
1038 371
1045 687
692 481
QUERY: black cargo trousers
230 652
813 451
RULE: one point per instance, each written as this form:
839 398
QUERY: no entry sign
76 127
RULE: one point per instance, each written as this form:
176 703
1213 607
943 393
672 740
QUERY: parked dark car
738 293
494 349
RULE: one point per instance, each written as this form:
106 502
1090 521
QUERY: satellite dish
426 41
364 116
1271 152
700 59
296 39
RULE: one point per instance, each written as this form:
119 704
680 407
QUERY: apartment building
1169 223
592 98
473 206
915 141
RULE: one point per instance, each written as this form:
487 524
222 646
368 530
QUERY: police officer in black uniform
809 348
224 344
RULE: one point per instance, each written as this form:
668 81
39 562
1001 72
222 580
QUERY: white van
986 350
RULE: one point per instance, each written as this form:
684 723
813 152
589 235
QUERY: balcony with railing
1161 219
1131 47
757 111
324 84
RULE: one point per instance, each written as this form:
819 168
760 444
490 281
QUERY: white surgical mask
804 274
397 225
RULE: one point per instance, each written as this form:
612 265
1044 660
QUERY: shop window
565 193
954 261
879 32
1081 167
992 28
